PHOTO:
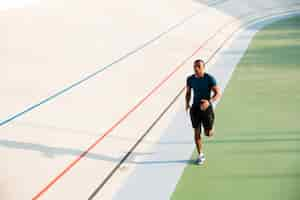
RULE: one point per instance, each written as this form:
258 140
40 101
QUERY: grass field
255 152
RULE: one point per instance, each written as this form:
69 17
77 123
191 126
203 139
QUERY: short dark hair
198 61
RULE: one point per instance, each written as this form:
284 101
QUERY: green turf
255 153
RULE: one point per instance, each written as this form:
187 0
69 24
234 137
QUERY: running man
201 112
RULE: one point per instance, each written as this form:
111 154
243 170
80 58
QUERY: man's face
199 68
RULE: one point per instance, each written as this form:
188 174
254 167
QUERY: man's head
199 67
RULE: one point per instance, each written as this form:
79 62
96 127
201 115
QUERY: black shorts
205 118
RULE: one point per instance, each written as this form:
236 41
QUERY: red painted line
74 162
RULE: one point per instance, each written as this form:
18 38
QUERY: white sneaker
201 159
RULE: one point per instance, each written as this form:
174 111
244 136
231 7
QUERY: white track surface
48 45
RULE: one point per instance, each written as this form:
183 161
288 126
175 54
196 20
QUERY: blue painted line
61 92
216 2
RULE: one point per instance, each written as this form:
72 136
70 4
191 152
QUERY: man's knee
197 132
208 132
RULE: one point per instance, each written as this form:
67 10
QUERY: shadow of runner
51 152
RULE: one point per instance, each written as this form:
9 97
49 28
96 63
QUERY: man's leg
198 141
196 122
197 137
209 132
208 121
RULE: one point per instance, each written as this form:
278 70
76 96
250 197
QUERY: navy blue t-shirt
201 87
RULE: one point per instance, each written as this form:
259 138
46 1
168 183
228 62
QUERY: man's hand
204 104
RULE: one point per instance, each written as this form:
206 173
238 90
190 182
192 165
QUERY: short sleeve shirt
201 87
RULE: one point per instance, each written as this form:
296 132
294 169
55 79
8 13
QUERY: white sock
201 154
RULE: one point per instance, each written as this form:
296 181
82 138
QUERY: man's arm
217 94
187 98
